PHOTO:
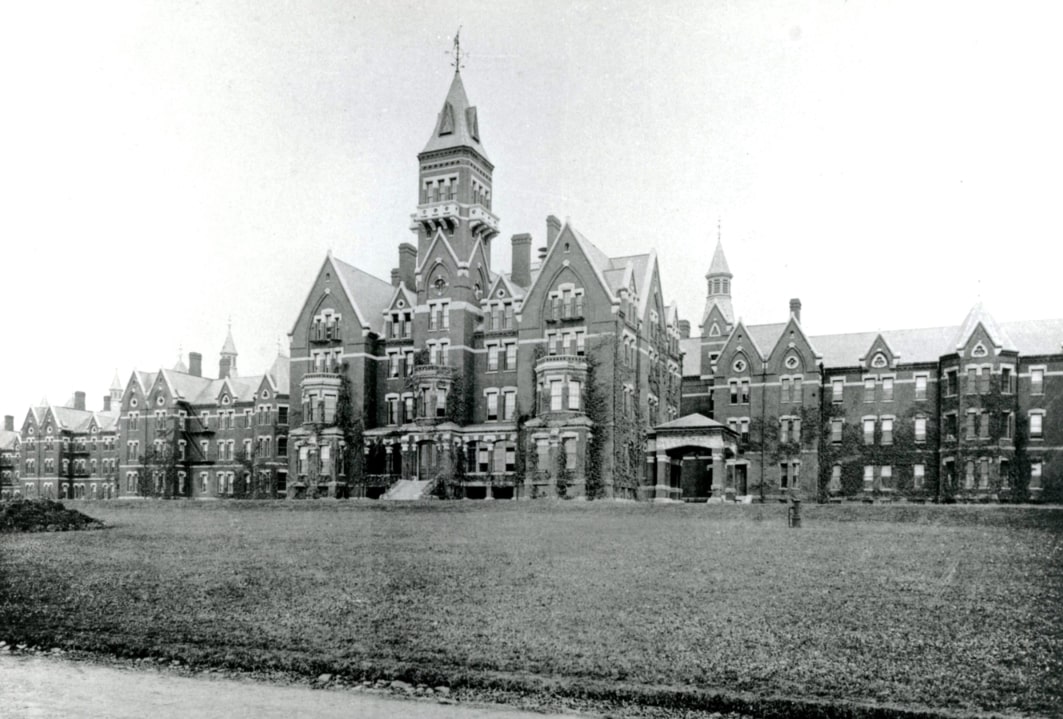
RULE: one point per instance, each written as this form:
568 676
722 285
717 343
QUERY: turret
454 182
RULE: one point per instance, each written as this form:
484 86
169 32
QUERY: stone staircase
408 489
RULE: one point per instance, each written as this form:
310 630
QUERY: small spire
719 230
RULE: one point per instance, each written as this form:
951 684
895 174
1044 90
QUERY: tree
349 422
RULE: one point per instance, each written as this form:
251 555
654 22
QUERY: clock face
792 362
739 365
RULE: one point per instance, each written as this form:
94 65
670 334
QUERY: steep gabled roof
1036 337
457 124
280 374
229 348
439 238
74 420
106 421
979 316
185 386
367 294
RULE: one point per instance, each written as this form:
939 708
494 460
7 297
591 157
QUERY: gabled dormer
740 355
879 356
793 353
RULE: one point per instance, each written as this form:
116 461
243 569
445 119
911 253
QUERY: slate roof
229 348
923 344
369 295
107 421
690 421
281 374
719 262
74 420
456 125
7 440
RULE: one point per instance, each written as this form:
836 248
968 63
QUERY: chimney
79 400
9 423
795 308
521 259
225 364
107 403
553 228
684 329
395 277
195 364
407 265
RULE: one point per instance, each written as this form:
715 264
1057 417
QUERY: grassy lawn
941 607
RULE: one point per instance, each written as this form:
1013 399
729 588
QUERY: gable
740 355
326 293
568 262
879 355
792 352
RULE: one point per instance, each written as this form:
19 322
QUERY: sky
167 167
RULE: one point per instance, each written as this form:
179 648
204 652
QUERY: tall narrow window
887 389
555 395
1037 381
869 431
492 406
837 389
869 389
887 430
918 475
920 429
573 394
920 387
836 431
1036 426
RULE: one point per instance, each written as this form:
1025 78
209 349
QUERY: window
983 473
393 410
511 355
886 476
972 380
920 386
743 429
407 408
983 380
555 395
1037 381
920 429
950 426
869 431
784 475
744 391
1005 474
971 422
836 430
393 364
835 479
1008 422
510 405
511 458
887 430
483 459
887 389
918 475
869 476
407 362
492 406
969 475
983 425
1006 385
573 394
492 358
1036 425
951 383
869 389
787 390
837 386
784 431
1035 475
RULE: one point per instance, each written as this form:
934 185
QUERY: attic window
133 402
160 400
31 431
566 247
400 303
879 361
979 350
265 394
225 400
501 293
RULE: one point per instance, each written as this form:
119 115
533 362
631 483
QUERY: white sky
167 165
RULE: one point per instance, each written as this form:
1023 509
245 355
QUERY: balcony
433 371
436 215
482 222
322 333
561 362
565 311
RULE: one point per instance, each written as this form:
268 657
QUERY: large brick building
970 411
529 382
551 377
182 434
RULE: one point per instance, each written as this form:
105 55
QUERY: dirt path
38 687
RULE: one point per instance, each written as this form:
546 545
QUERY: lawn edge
550 692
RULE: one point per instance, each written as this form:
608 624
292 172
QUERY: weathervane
719 228
457 51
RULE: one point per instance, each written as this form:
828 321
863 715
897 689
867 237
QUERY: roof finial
719 229
457 52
